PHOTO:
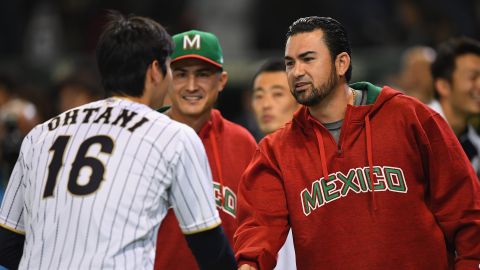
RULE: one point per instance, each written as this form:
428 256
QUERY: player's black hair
335 35
270 65
127 46
447 52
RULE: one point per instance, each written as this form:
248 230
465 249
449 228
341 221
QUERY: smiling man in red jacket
198 78
366 177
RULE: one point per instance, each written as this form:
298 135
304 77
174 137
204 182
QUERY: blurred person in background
77 90
456 75
198 78
17 117
272 102
7 86
274 106
415 78
6 93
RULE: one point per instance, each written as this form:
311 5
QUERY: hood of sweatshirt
212 127
376 98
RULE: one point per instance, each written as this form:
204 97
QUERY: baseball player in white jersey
92 185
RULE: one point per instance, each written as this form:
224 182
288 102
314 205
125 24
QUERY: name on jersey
98 115
356 180
229 205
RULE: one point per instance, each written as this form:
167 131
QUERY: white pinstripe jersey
92 185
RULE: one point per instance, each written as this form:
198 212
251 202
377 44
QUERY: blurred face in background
72 96
463 91
272 102
415 77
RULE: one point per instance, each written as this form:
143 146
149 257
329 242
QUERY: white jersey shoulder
92 185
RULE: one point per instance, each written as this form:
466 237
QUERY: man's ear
342 62
156 72
443 87
223 80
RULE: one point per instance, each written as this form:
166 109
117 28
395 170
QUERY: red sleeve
454 192
262 214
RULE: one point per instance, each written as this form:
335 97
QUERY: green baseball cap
198 44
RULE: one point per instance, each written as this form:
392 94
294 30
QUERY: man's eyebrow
306 53
205 69
279 86
178 69
300 55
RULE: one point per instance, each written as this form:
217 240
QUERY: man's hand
246 267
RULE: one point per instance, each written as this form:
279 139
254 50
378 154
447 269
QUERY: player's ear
342 62
443 87
156 72
223 80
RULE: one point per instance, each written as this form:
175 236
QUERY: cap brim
197 57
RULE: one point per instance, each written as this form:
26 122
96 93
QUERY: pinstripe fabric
154 164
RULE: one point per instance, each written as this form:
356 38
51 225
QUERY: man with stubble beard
366 177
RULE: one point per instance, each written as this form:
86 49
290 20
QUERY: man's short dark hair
447 52
335 35
127 46
270 65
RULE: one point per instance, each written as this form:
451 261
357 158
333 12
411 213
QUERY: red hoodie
426 204
229 148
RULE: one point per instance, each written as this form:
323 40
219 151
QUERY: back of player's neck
141 99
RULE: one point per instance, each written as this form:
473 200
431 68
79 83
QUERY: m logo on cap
191 43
